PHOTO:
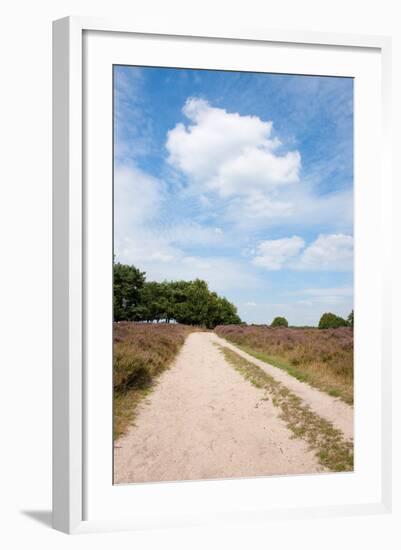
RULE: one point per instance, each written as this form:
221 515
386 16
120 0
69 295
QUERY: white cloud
191 233
224 275
144 246
333 296
274 254
132 125
137 197
233 162
160 248
229 153
343 291
253 170
164 259
258 207
328 252
139 235
296 206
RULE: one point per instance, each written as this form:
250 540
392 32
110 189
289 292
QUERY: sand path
205 421
332 409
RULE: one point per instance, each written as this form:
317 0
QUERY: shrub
130 371
329 320
279 322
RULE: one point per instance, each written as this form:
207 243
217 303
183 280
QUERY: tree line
327 320
187 302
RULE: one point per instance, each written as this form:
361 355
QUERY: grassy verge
321 383
124 406
141 353
322 358
332 450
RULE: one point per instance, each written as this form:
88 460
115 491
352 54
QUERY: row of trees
188 302
327 320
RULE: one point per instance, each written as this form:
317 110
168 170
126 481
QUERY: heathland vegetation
323 358
141 353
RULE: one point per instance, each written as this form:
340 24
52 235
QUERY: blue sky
242 179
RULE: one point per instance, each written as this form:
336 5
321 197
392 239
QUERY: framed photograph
220 302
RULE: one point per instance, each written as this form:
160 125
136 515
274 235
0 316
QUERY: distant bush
329 320
279 322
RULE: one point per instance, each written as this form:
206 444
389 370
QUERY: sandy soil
205 421
333 409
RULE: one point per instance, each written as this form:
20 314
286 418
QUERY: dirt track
205 421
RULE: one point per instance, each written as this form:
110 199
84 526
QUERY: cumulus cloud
235 163
275 254
327 252
229 153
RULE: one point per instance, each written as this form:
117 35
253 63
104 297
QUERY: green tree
179 300
150 302
188 302
329 320
229 313
214 310
350 319
127 284
197 303
279 322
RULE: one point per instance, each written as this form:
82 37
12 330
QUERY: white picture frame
71 257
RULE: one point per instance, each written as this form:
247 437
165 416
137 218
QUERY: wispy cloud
132 126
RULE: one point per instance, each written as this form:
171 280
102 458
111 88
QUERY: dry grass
332 450
322 358
141 353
